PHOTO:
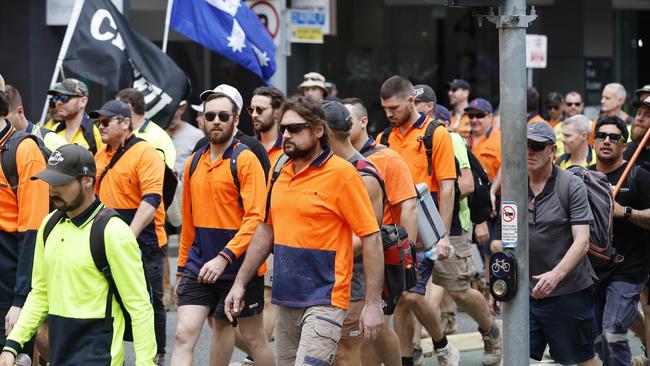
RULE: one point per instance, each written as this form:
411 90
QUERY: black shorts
212 295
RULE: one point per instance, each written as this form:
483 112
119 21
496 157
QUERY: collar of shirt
144 126
226 154
276 145
532 115
367 146
418 124
86 123
108 148
316 163
83 217
548 187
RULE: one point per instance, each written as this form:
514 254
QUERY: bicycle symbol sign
500 266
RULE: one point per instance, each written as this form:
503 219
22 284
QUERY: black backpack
237 150
170 182
8 155
479 202
427 140
98 252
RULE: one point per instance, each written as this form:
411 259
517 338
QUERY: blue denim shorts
566 324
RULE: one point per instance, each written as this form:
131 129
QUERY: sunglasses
577 104
613 137
105 122
553 106
61 98
223 116
537 146
476 115
293 127
257 109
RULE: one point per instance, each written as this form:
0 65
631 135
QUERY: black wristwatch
627 212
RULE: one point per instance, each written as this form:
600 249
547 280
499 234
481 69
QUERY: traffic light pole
512 22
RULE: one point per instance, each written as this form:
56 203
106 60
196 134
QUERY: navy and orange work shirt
313 213
138 174
213 221
21 213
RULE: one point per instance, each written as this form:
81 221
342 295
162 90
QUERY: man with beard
639 127
264 111
70 97
438 171
316 203
21 211
67 287
216 234
130 180
617 294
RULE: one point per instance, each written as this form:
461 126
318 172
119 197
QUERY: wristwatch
627 212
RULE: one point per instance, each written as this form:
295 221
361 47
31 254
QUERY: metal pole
279 78
512 25
530 77
168 15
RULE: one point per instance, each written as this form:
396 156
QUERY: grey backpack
601 202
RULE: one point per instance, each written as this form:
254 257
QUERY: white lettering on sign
154 97
95 29
509 224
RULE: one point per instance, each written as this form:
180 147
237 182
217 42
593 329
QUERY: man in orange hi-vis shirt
223 203
314 205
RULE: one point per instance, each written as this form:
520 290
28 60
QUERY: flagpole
168 15
58 68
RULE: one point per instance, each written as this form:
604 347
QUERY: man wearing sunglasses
264 111
458 93
561 312
573 104
617 293
220 216
315 205
70 97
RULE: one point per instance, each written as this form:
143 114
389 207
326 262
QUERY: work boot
418 356
492 345
448 356
448 322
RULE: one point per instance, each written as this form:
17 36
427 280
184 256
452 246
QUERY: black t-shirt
255 146
644 158
630 240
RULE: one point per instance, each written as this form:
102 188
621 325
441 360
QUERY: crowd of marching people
286 236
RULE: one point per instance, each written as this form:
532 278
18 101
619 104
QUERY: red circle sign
268 16
508 213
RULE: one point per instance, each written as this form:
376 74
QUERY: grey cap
70 86
111 108
337 116
424 93
66 163
540 132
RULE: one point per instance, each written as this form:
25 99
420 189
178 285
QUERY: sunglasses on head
61 98
223 116
576 104
293 127
478 115
613 137
537 146
257 109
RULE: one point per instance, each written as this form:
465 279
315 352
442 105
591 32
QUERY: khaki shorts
351 322
455 272
268 276
307 336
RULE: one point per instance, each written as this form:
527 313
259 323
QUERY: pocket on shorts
586 329
327 330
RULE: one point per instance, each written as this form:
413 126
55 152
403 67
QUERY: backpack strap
88 133
373 150
51 223
562 186
118 154
98 252
385 135
236 151
427 140
277 169
8 153
196 157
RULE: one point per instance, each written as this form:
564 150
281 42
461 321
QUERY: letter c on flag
96 23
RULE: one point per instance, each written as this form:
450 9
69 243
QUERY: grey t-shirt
184 141
550 236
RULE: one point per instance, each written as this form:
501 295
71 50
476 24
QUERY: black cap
337 116
111 108
67 163
424 93
459 84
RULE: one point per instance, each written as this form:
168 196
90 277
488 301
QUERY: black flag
105 49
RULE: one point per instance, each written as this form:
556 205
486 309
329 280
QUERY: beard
224 134
264 126
294 152
637 133
62 205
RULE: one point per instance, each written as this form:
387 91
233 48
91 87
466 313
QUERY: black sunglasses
537 146
61 98
551 106
613 137
257 109
476 115
293 127
223 116
577 104
105 122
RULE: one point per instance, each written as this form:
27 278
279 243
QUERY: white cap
197 107
228 91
